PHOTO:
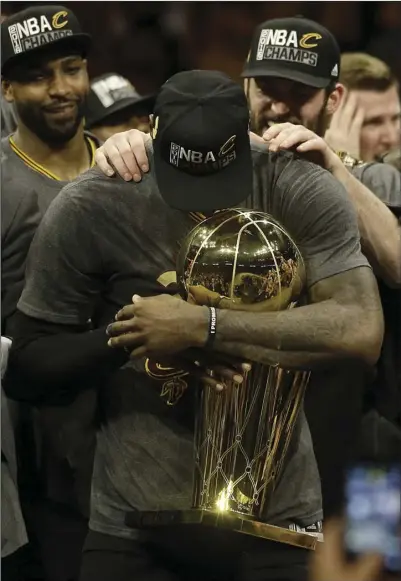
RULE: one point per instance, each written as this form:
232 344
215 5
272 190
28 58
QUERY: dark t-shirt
101 232
25 196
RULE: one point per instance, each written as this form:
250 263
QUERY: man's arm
53 348
51 363
344 322
379 228
344 319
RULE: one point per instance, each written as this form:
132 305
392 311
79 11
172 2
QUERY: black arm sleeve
51 363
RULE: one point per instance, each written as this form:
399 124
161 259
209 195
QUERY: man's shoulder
284 163
16 187
95 190
286 177
383 180
9 160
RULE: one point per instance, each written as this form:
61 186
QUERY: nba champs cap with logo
202 153
294 48
38 27
110 94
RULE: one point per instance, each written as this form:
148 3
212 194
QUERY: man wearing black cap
114 105
291 74
105 250
44 77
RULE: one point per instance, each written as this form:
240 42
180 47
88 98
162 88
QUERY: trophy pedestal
227 520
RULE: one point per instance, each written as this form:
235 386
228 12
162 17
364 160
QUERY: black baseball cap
202 153
294 48
111 93
36 29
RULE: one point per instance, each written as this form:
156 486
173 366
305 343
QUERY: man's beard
260 123
52 132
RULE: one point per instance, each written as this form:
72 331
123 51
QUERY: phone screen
373 513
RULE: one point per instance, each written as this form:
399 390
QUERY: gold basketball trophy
243 434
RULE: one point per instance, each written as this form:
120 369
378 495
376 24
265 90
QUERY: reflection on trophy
243 435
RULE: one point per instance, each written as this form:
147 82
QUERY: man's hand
215 371
344 132
329 562
158 326
303 140
125 153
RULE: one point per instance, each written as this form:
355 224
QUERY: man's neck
66 161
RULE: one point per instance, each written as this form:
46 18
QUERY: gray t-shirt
8 118
384 181
25 196
100 233
28 181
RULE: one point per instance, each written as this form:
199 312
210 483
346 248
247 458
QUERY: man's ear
7 90
335 98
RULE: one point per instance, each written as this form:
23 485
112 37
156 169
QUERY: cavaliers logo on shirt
173 383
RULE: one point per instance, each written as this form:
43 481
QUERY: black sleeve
50 363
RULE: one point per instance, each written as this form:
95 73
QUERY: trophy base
228 521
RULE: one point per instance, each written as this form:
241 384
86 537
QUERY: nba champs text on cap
38 27
202 153
294 48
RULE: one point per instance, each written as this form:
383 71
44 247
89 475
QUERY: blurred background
149 41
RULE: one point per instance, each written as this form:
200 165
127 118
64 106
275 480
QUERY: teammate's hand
303 140
329 562
200 295
344 132
125 153
212 370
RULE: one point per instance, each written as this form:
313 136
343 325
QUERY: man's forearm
378 227
43 369
321 331
296 360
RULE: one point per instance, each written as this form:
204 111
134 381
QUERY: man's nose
59 85
279 108
390 135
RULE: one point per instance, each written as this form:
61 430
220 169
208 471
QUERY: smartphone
373 513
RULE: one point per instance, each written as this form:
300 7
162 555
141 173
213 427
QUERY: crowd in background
149 41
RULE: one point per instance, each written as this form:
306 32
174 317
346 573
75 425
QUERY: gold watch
348 160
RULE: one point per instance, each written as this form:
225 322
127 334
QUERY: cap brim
205 193
145 102
81 42
292 75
